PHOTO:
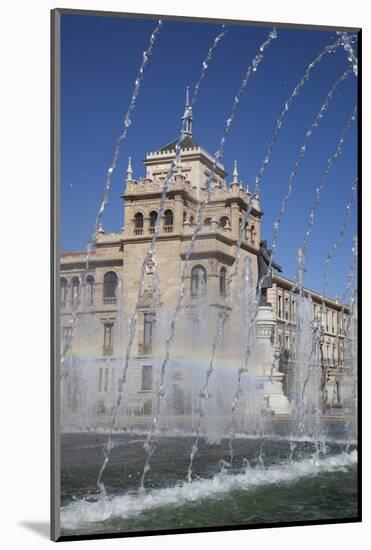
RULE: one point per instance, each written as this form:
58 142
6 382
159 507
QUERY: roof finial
187 117
187 96
235 173
129 172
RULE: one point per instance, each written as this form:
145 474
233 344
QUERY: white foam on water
82 512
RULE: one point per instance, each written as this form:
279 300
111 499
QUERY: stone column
145 225
214 224
178 214
128 221
266 369
235 220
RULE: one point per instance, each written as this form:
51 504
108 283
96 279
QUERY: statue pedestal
275 402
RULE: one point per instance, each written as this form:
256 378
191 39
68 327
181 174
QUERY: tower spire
129 171
187 117
235 173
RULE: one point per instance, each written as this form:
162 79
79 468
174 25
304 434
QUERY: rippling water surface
264 485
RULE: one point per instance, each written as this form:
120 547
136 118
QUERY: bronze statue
265 271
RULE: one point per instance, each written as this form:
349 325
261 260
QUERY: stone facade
110 292
334 318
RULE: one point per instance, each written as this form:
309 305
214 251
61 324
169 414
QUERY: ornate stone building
110 291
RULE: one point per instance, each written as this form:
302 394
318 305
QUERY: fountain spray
340 238
331 48
222 317
340 323
346 42
299 281
328 49
150 255
218 155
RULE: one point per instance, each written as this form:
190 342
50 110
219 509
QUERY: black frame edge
185 18
216 529
54 262
359 272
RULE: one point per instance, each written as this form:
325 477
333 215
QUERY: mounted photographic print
205 274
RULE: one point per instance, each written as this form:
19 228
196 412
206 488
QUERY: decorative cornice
102 262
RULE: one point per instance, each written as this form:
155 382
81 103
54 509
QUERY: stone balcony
187 228
208 232
151 186
180 183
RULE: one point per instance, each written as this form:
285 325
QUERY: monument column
275 400
272 379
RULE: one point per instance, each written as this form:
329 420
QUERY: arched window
224 221
89 290
75 290
168 217
109 285
222 281
207 221
198 280
64 291
152 220
192 219
138 223
168 220
184 216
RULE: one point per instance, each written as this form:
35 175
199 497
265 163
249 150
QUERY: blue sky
100 60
